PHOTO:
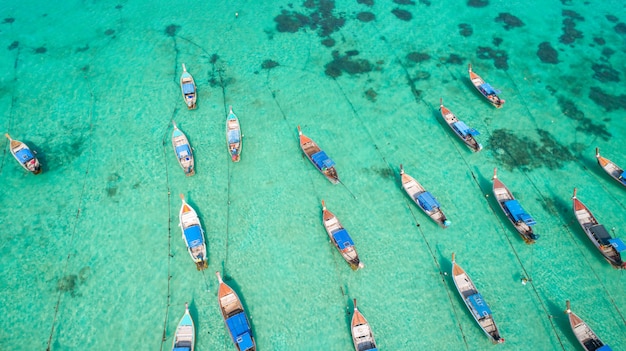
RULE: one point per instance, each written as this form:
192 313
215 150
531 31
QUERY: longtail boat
193 235
485 89
24 155
608 246
588 339
475 302
235 317
340 238
611 168
183 152
520 219
362 335
318 158
424 199
185 337
465 133
188 88
233 136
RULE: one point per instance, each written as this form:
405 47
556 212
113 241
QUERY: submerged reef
365 16
465 30
402 14
14 45
509 20
321 18
369 3
499 57
418 56
585 124
477 3
41 50
604 73
606 100
269 64
346 63
171 30
547 54
570 33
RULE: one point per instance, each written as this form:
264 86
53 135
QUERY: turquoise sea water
90 250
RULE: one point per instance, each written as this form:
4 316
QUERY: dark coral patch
402 14
290 22
171 30
68 284
41 50
547 54
321 18
269 64
465 30
612 18
118 7
455 59
365 16
606 100
109 32
404 2
328 42
83 49
497 41
425 2
620 28
570 33
499 57
369 3
418 56
348 64
513 151
352 52
9 20
607 52
477 3
605 73
599 41
14 45
585 124
509 20
371 94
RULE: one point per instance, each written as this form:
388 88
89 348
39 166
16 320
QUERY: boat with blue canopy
185 337
318 158
235 317
362 335
24 156
233 136
193 235
608 246
485 89
340 238
512 209
424 199
188 88
183 151
460 129
588 339
475 302
611 168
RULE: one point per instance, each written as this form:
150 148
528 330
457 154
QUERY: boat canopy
427 201
321 160
342 238
478 304
24 155
622 176
605 348
618 244
463 129
193 236
182 349
489 89
188 88
518 213
183 150
240 330
600 232
233 136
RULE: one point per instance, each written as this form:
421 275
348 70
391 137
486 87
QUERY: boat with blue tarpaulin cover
512 209
362 336
485 89
233 136
612 169
188 89
24 155
318 158
588 339
424 199
193 235
475 302
608 246
183 151
460 129
185 336
235 317
340 238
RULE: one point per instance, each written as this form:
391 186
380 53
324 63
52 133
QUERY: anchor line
80 202
13 100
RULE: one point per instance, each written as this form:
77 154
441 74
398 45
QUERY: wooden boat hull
183 151
423 199
598 235
340 238
24 155
234 139
188 89
506 201
485 89
611 168
362 336
318 158
587 338
474 303
185 336
193 235
235 317
460 129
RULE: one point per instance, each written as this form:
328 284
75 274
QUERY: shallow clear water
90 250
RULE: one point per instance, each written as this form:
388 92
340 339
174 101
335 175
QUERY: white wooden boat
340 238
233 136
423 199
611 168
185 337
183 151
520 219
235 317
485 89
465 133
475 302
188 88
362 335
24 155
588 339
608 246
318 158
193 235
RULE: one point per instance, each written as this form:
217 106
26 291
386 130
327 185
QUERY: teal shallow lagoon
91 252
